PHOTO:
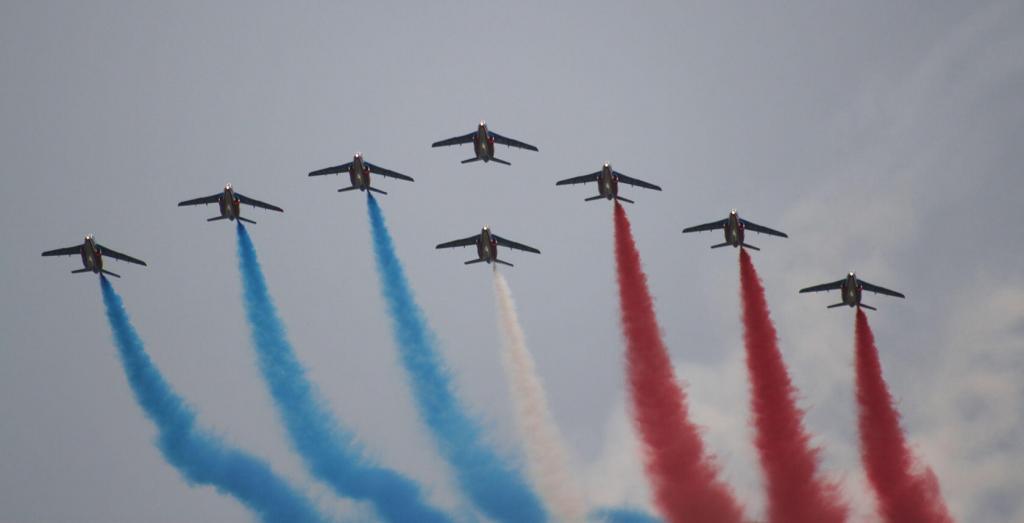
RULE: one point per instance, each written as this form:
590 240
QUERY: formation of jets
486 242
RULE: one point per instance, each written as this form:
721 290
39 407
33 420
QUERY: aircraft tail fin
110 273
592 198
621 199
499 160
348 189
868 307
471 160
717 245
373 189
215 218
749 246
503 262
470 262
79 271
247 220
836 305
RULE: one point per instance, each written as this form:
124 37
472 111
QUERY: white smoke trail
546 455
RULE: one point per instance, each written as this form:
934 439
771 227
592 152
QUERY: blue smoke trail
330 452
491 484
200 457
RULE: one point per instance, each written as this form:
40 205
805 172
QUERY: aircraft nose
482 122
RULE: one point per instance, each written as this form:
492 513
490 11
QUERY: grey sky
883 138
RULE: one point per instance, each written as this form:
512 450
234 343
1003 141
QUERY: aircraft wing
751 226
510 142
386 172
66 251
465 242
633 181
337 169
880 290
513 245
201 201
586 178
458 140
838 284
118 256
256 203
710 226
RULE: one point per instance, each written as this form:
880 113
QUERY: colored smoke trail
546 454
330 452
903 493
683 478
795 492
622 515
495 487
201 457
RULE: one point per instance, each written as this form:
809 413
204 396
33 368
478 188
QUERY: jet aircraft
851 288
359 173
483 142
734 227
229 201
608 183
487 246
92 256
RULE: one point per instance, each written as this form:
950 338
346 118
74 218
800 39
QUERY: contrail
492 484
905 490
795 491
330 452
546 454
201 457
683 477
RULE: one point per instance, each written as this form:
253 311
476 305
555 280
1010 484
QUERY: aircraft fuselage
229 204
486 246
851 290
734 230
92 258
608 183
359 173
483 143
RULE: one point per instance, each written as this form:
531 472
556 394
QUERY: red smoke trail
683 478
795 492
903 494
